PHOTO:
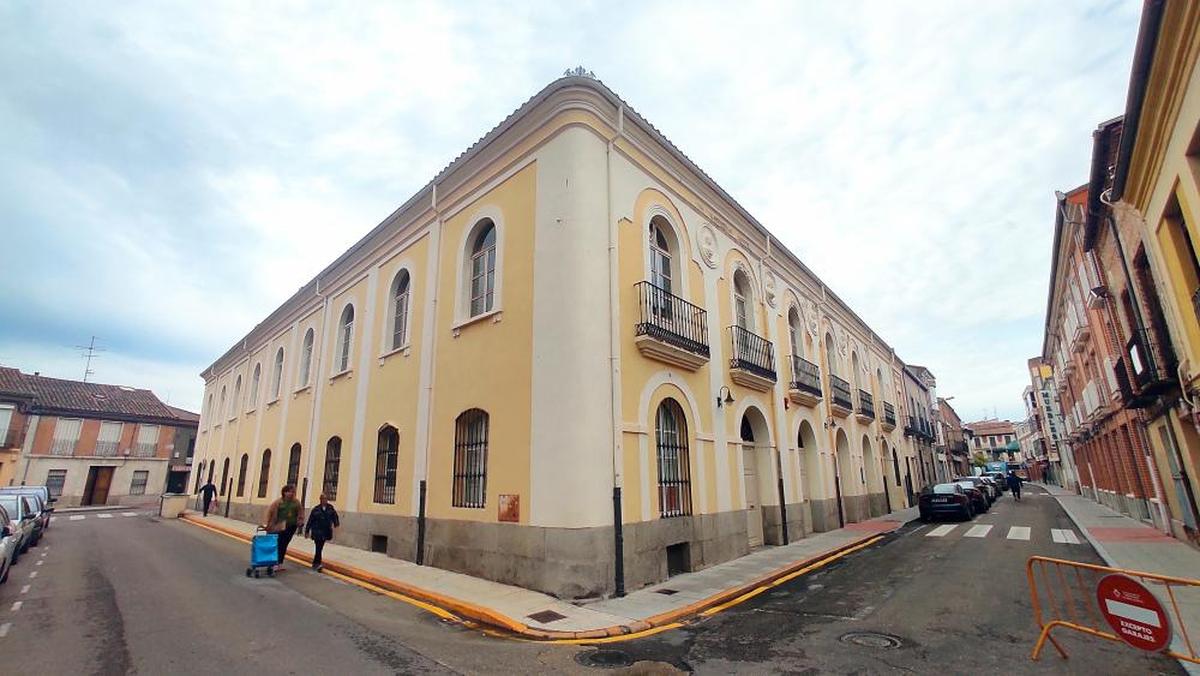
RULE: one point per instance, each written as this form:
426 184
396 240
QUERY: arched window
237 397
399 309
241 481
306 350
470 458
674 472
743 301
209 413
387 453
855 369
293 473
345 338
255 384
795 332
483 269
199 476
223 407
212 467
830 355
896 466
264 473
277 375
333 464
224 475
660 254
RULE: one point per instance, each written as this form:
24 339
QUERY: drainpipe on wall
419 558
313 376
615 368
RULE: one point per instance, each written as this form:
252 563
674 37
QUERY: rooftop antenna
89 352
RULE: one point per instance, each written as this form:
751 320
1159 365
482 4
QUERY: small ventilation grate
666 592
546 616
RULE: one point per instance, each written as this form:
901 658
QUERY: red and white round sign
1133 612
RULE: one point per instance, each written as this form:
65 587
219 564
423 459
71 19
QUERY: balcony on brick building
1151 364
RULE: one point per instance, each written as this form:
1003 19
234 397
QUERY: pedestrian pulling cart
264 552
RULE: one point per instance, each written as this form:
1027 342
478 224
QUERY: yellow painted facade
565 369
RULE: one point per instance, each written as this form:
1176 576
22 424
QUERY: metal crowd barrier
1126 606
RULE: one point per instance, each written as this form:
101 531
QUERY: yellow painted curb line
502 626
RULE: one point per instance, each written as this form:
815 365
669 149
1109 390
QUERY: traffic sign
1133 612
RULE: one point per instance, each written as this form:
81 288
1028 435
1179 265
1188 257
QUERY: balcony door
660 271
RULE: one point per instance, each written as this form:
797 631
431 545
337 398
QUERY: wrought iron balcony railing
866 404
671 319
1152 363
806 376
889 414
752 353
840 389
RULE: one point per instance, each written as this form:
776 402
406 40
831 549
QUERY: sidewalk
513 609
1126 543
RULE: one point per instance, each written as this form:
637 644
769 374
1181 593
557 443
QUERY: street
116 594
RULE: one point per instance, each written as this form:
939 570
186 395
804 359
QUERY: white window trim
255 389
301 367
680 257
390 321
235 405
751 300
338 344
462 300
278 388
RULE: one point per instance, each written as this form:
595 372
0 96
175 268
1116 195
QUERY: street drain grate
666 592
546 616
871 639
604 659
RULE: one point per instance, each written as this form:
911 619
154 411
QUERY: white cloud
177 170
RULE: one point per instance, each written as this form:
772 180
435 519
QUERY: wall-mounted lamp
727 400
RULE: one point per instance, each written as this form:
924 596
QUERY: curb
491 618
1108 559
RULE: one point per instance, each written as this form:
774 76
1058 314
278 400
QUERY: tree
980 459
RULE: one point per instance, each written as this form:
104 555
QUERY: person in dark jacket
321 522
1014 484
207 491
284 517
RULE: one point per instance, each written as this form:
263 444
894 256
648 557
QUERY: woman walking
321 522
283 517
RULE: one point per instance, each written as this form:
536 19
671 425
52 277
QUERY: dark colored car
999 478
945 499
979 501
983 487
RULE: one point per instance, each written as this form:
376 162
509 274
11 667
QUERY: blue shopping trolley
264 552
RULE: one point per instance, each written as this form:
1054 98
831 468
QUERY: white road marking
1064 536
128 513
4 629
1018 533
17 605
43 554
39 562
25 589
53 519
78 517
104 516
978 532
33 574
940 531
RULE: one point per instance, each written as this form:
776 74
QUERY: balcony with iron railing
865 411
805 386
752 360
889 417
912 428
145 449
670 329
840 398
106 449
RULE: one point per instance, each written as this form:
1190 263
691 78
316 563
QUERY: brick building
92 444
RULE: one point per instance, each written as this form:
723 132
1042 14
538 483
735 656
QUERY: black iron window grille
264 473
293 473
333 467
674 473
242 467
840 390
752 352
806 376
671 319
866 404
889 417
470 459
387 453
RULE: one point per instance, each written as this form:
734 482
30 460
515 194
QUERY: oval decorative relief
769 288
708 246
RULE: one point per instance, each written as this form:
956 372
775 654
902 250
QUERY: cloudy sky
171 172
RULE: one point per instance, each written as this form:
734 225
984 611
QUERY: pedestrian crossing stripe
1018 533
940 531
1064 536
979 531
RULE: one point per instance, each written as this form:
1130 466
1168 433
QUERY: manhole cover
666 592
604 659
871 639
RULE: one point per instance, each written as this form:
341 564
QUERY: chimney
37 373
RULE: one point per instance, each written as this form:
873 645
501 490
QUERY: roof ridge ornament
579 71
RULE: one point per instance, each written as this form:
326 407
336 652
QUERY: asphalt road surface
136 595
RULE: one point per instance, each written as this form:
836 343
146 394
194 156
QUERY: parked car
943 499
22 517
992 486
999 478
9 541
979 500
982 486
45 502
41 518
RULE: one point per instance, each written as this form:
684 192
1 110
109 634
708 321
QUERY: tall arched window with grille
387 453
241 481
345 338
333 466
293 473
224 475
470 459
212 467
674 472
264 473
399 310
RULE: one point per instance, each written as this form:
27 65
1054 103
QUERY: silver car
9 543
22 517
